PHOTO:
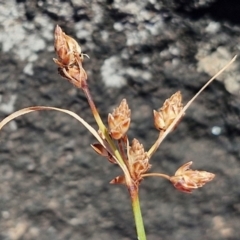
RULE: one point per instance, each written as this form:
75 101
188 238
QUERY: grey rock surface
52 185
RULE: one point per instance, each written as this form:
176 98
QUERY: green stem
137 213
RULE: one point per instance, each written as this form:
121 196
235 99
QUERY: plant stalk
156 175
133 190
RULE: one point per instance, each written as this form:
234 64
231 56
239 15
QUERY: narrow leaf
40 108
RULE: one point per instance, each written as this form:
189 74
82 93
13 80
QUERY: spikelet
119 120
138 160
186 179
69 59
168 112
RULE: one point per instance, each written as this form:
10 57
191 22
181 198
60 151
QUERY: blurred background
52 185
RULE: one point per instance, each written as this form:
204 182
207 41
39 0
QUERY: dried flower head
70 58
138 160
186 179
66 49
119 120
168 112
137 163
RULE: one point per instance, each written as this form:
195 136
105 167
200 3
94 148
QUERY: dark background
52 185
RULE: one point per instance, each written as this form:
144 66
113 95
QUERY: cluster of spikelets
114 144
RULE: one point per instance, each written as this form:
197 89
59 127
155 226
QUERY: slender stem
137 213
121 149
156 175
93 108
155 146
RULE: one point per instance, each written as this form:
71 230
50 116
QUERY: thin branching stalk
121 149
161 137
94 109
104 131
156 175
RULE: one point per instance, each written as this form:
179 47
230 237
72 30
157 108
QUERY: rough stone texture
52 185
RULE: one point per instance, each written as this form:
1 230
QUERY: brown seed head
70 58
138 160
168 112
186 179
66 48
119 120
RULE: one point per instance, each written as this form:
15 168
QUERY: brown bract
186 179
69 59
168 112
98 148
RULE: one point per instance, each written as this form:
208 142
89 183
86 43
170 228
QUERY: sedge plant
112 139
